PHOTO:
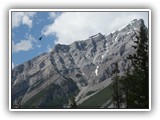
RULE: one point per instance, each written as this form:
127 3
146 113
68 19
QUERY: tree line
131 90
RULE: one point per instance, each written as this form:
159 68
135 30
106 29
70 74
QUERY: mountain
82 70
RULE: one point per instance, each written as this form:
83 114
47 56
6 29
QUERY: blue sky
61 27
30 33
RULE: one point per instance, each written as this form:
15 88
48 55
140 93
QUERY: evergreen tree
136 81
117 95
73 103
127 83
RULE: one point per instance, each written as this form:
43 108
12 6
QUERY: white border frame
81 10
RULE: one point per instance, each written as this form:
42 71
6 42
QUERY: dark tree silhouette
136 81
117 94
73 103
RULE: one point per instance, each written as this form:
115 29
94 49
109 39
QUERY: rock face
51 79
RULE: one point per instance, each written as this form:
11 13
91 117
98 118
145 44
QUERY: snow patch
116 39
105 54
106 44
107 47
136 29
96 71
102 56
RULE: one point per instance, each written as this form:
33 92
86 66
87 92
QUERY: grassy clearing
98 99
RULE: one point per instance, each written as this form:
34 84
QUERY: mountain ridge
73 70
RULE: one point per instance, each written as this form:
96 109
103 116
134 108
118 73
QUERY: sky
61 28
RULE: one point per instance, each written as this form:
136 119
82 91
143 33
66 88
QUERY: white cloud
27 21
72 26
19 18
23 45
39 46
49 49
52 15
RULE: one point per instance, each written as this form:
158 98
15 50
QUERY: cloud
39 46
49 49
24 18
27 21
13 65
72 26
52 15
23 45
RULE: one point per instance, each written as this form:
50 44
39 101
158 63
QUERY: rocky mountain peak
61 48
73 70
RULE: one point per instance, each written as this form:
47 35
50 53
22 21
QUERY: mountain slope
80 69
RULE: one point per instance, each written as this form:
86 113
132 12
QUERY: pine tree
127 83
73 103
137 80
117 95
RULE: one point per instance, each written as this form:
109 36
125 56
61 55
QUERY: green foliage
97 100
135 82
117 93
